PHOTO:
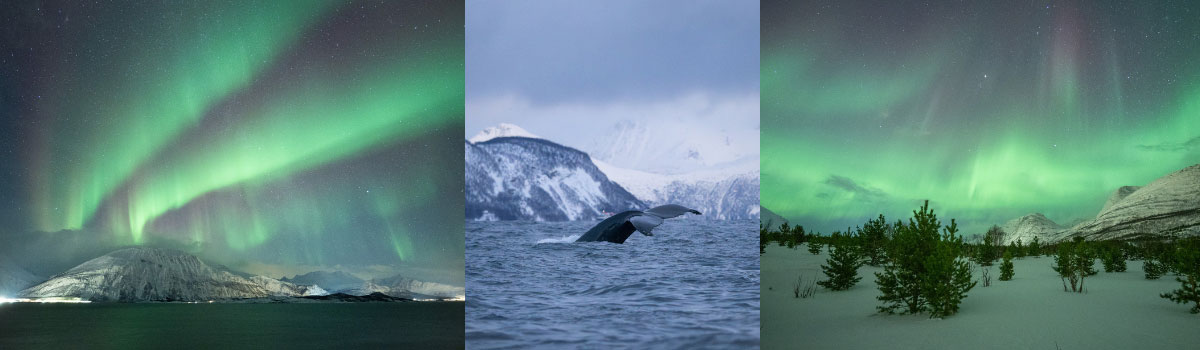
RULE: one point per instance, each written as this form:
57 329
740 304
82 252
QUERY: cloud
1194 143
849 185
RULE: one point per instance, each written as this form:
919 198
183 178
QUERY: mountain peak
502 130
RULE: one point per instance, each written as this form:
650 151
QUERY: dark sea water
232 326
693 285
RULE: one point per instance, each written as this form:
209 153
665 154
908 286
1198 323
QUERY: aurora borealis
991 110
279 135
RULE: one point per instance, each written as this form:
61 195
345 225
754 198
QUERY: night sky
276 137
990 109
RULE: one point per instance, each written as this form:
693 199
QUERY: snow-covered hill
1166 207
148 274
725 193
332 281
521 178
1029 226
670 147
771 221
502 130
400 286
14 278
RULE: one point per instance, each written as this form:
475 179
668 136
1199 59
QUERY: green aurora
298 132
990 110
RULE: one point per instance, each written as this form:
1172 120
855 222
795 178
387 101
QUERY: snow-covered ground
1119 311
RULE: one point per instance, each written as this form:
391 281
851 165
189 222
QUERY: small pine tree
1187 263
814 247
924 271
1006 267
841 268
762 239
874 240
1035 247
1020 249
1153 268
989 250
1113 259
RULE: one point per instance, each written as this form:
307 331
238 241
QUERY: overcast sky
567 70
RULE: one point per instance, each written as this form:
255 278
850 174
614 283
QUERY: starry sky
989 109
275 137
570 71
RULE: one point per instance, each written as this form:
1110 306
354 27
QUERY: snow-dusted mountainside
146 274
332 281
403 287
1029 226
662 147
520 178
724 194
1168 206
14 278
1117 196
502 130
771 221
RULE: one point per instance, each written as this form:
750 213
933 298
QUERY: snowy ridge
771 221
502 130
1166 207
1029 226
662 146
155 274
520 178
400 286
726 193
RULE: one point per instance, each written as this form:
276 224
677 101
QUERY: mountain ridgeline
1165 208
521 178
141 274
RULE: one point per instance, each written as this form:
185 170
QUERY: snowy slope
502 130
771 221
671 146
403 287
519 178
333 281
145 274
1168 206
726 193
14 278
1029 226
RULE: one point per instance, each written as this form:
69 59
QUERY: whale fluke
618 228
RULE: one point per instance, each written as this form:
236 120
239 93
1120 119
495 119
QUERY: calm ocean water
232 326
693 285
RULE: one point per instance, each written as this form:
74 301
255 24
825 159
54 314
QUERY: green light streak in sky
156 89
315 123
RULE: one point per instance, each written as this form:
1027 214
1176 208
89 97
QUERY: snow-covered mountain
502 130
722 194
669 147
14 278
1166 207
395 286
771 221
400 286
148 274
332 281
521 178
1029 226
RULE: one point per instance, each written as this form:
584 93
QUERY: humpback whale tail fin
654 217
618 227
671 210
